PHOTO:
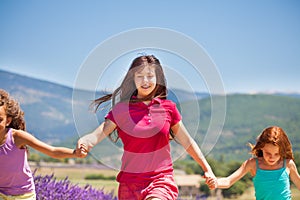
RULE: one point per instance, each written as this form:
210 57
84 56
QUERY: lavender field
49 188
68 182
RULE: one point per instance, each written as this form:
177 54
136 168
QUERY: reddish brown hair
276 136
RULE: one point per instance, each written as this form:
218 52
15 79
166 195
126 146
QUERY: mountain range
59 115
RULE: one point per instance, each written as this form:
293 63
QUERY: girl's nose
145 79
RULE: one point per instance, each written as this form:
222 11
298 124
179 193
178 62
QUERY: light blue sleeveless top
272 184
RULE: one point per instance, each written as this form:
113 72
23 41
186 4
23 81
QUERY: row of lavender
48 188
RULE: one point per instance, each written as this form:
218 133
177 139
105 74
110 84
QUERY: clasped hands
210 180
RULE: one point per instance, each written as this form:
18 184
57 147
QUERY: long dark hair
127 90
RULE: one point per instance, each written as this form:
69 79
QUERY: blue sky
255 45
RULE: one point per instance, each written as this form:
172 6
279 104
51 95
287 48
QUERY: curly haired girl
16 179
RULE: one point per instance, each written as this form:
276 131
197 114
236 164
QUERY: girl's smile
145 81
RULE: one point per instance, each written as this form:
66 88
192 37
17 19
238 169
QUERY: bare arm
246 167
189 144
294 175
22 138
87 142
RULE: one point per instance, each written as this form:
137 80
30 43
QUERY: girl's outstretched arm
23 138
189 144
247 166
88 141
294 175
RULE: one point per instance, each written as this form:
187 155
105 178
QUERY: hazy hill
47 106
50 117
247 116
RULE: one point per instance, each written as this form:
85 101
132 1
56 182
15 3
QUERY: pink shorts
164 188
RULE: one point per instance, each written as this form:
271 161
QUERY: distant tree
204 189
34 157
235 190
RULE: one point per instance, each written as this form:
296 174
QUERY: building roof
188 180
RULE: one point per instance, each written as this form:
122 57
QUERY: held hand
211 180
79 153
81 150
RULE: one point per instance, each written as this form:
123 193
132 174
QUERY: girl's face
271 154
4 120
145 81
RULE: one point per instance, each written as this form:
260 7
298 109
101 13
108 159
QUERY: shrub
99 177
48 188
235 190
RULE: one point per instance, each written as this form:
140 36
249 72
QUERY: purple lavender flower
48 188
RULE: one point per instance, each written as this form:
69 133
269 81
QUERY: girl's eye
268 154
149 77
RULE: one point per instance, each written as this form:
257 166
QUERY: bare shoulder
19 133
251 162
290 164
290 161
21 137
17 136
250 165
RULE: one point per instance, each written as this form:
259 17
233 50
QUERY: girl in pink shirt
16 180
143 119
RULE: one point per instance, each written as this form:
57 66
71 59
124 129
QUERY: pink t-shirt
15 174
144 131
